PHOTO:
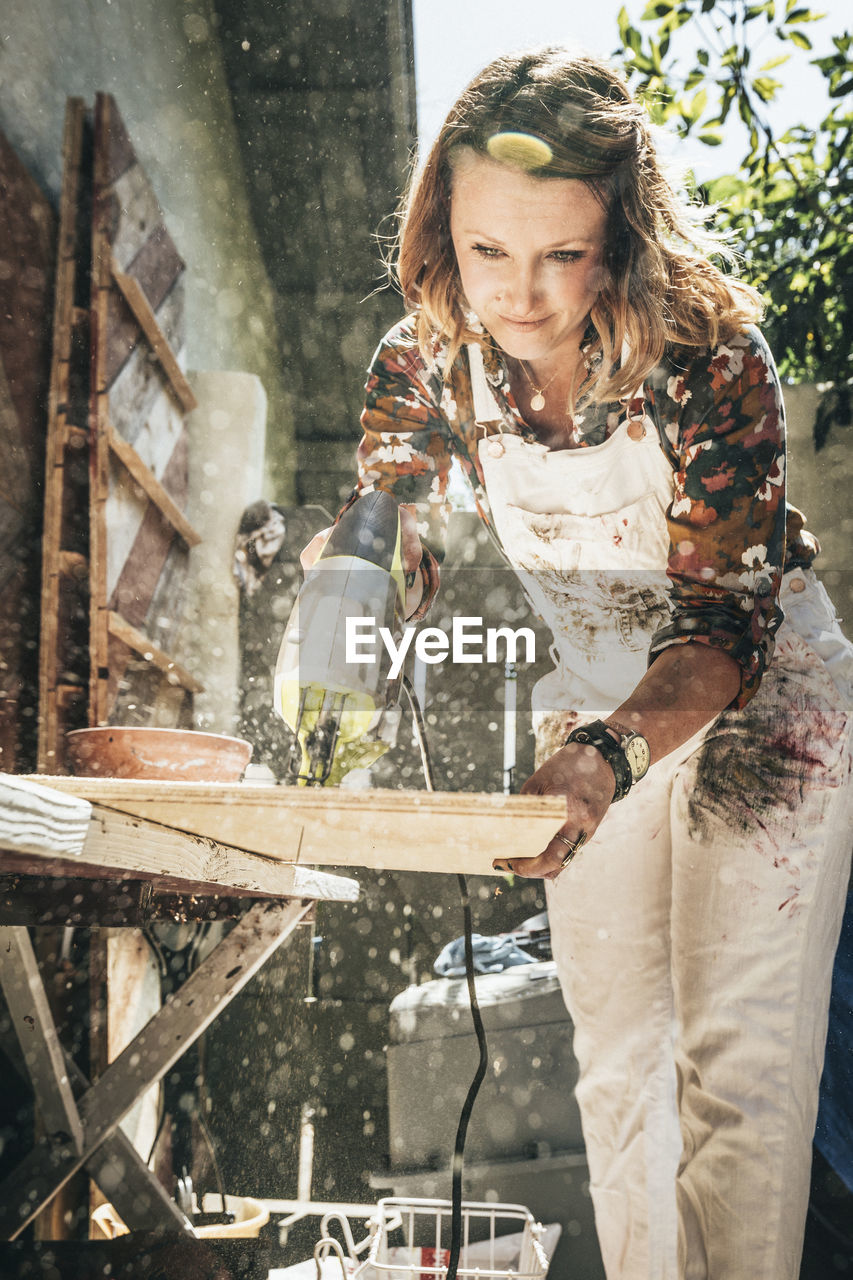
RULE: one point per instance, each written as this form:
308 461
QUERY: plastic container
249 1216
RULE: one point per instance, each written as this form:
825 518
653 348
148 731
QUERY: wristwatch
636 749
627 754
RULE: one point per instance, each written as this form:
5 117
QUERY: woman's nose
521 292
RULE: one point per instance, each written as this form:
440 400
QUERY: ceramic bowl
168 755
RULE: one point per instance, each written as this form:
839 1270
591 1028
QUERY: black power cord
476 1015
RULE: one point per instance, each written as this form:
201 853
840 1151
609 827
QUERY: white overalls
695 933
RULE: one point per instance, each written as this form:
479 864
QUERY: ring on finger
572 846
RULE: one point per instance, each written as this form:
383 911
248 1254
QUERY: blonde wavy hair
659 286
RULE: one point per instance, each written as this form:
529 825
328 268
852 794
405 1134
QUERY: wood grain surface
139 536
46 831
388 830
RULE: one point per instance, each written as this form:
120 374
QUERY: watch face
639 756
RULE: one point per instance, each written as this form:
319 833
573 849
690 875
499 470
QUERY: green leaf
803 15
800 39
698 104
841 89
724 188
657 9
772 63
702 57
711 137
766 87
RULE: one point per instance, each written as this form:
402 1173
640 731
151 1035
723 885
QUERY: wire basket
411 1238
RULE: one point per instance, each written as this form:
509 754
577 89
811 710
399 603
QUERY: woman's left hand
583 776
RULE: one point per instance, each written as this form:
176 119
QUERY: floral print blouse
720 419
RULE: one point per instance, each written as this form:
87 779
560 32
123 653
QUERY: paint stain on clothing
756 764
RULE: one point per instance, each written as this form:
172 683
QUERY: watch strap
595 734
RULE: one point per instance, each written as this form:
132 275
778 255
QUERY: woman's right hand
411 549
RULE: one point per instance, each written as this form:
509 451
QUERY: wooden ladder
116 537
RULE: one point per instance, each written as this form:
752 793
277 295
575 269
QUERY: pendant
537 404
636 429
495 447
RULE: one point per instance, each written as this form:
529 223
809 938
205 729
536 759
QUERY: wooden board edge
149 483
139 642
135 298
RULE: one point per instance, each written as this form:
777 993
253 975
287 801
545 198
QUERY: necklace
537 402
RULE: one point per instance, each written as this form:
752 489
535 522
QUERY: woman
620 421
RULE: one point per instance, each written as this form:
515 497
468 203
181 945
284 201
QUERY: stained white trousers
694 938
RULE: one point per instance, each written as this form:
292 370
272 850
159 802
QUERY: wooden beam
139 642
41 820
55 828
161 1042
34 1026
148 482
52 657
329 826
134 847
135 298
123 1176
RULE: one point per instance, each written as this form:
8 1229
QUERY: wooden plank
52 659
36 1032
137 557
140 848
119 1170
146 480
118 152
157 267
65 835
105 213
79 896
145 558
140 643
38 819
132 212
161 443
140 384
384 830
135 298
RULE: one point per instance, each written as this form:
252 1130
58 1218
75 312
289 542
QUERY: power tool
344 713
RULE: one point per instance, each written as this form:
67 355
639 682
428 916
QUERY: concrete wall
324 102
163 62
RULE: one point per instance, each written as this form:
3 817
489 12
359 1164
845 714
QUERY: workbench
66 861
113 852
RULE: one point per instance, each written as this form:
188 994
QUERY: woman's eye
487 251
567 255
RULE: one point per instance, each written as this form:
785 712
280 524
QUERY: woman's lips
523 326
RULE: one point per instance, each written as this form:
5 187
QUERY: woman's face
529 252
